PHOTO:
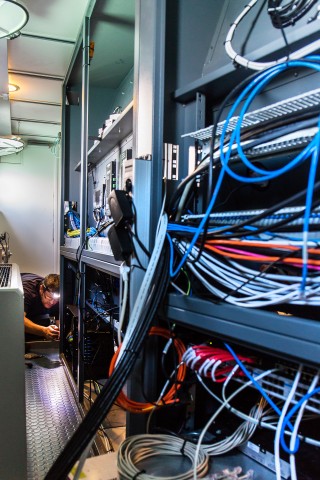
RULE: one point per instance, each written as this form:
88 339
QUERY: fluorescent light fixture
13 17
10 145
12 87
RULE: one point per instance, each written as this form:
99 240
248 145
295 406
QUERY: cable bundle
250 263
152 291
214 363
241 435
139 448
171 396
283 14
242 286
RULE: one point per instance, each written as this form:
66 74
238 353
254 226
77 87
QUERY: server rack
192 101
174 94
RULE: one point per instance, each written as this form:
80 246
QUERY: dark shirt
33 306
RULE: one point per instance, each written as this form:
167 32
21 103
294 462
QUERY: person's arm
50 333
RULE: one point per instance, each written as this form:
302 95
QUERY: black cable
143 248
262 272
247 133
274 227
284 15
110 391
136 255
177 194
135 233
80 251
253 24
102 227
270 210
223 105
280 132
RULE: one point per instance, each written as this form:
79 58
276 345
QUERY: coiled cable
139 448
170 397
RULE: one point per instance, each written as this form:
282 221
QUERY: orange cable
261 258
315 251
169 398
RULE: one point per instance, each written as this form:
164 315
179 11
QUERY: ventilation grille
5 275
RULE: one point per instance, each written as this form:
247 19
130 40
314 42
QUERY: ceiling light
10 145
12 87
13 17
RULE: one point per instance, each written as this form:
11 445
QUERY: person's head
50 290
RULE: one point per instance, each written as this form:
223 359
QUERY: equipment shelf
284 335
112 136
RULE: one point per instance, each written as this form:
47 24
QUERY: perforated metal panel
52 414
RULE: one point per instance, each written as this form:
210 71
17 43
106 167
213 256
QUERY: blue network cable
287 418
265 77
261 390
199 230
253 89
312 150
74 220
309 196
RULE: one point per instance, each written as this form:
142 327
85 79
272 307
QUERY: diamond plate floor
52 414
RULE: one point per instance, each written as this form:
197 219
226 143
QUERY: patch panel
278 384
299 103
234 217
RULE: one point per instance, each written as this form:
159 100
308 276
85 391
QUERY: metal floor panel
52 413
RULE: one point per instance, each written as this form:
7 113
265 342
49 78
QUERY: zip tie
138 474
182 448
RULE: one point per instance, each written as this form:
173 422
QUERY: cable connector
235 474
124 272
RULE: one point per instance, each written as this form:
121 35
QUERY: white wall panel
28 206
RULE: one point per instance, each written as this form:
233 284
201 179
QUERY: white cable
217 412
263 424
257 290
134 450
294 435
144 290
124 271
234 267
284 410
178 288
82 460
291 297
235 57
208 389
162 393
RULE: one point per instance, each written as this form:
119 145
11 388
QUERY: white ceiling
38 60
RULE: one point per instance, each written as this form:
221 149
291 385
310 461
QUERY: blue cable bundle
74 220
256 85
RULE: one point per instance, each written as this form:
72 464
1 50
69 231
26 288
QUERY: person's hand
51 332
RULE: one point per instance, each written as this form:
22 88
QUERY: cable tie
137 474
182 448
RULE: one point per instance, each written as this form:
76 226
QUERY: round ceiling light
10 145
13 17
12 87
